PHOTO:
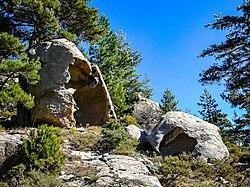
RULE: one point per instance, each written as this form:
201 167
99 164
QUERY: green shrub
43 150
4 184
15 176
38 179
113 134
83 141
173 167
2 128
184 170
115 139
127 147
130 120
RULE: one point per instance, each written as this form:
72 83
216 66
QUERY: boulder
147 112
179 131
9 150
70 90
136 133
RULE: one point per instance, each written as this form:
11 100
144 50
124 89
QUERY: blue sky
170 35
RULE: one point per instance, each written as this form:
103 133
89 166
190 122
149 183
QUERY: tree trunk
23 114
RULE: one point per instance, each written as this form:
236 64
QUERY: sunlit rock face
71 90
181 132
147 112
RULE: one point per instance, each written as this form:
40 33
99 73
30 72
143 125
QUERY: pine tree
168 102
117 61
209 106
146 90
234 69
212 114
13 63
35 21
239 138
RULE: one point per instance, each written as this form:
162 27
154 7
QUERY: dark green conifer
35 21
168 102
233 70
117 61
13 63
42 151
212 114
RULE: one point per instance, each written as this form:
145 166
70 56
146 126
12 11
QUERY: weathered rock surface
70 90
136 133
179 131
108 170
147 112
9 150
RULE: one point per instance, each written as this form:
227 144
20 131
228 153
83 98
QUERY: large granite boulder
179 131
71 90
147 112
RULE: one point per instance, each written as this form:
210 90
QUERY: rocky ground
89 168
86 166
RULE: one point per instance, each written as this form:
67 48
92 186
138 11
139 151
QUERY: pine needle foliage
185 170
233 69
168 102
36 21
118 62
116 140
212 114
13 64
43 150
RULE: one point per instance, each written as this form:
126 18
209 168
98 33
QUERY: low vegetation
185 170
110 138
43 150
25 23
42 159
21 177
129 120
116 140
82 141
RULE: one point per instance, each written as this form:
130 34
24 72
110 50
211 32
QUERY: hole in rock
92 104
90 97
178 143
